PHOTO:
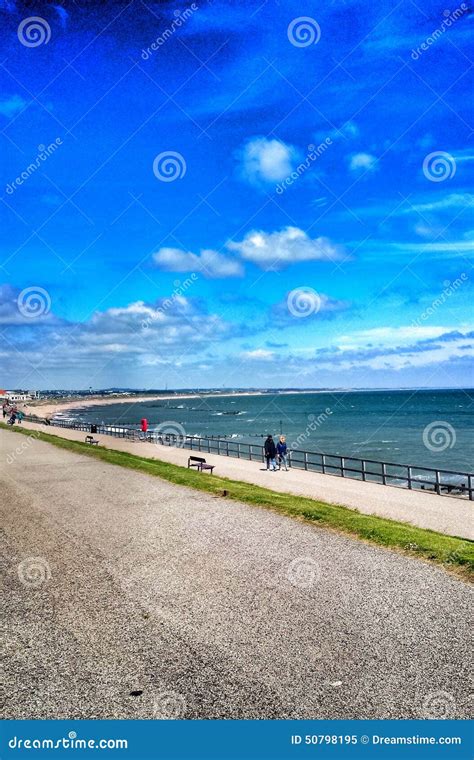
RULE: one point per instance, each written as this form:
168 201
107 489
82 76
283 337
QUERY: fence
413 477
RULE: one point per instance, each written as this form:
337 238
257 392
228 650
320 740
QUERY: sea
430 428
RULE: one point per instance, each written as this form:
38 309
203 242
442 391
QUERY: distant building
17 395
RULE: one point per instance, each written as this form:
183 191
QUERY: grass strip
454 554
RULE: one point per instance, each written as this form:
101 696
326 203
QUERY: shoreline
49 408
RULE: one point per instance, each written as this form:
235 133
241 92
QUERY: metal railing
413 477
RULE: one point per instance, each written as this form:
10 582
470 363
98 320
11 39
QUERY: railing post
469 486
306 460
438 482
227 447
343 464
323 463
238 450
384 473
364 474
409 477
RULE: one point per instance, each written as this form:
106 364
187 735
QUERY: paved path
120 583
445 514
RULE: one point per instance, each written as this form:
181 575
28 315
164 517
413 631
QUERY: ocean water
428 428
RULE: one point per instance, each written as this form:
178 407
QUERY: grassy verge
455 554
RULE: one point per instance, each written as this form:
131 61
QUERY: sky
219 194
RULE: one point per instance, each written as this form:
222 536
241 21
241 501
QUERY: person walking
282 451
20 417
270 453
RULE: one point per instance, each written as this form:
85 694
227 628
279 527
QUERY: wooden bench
90 439
200 463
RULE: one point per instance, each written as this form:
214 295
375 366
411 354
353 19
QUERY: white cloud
264 160
362 162
452 200
258 354
275 250
209 263
13 105
392 336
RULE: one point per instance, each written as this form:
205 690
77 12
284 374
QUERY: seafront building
18 395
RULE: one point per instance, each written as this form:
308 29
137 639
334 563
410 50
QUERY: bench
90 439
200 463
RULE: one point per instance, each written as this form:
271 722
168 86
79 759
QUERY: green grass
454 554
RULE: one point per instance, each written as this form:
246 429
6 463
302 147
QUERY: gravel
130 597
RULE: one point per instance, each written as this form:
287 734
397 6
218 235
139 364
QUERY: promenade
130 597
444 514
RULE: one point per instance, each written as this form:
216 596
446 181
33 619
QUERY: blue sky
254 194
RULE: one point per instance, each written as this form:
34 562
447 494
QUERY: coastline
49 408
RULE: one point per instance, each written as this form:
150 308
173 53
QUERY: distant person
4 408
12 419
20 417
144 426
270 453
282 451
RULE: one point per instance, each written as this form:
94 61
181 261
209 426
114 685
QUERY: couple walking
272 451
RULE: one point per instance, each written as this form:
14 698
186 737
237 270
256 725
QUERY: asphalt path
130 597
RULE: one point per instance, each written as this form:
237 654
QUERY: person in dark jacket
270 453
282 452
